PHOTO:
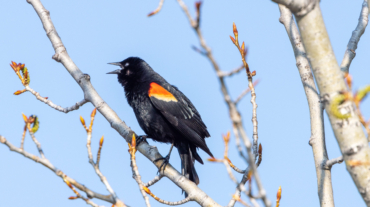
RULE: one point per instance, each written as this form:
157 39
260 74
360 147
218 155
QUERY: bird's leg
140 139
166 159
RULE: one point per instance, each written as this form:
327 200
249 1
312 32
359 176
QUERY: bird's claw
140 139
166 161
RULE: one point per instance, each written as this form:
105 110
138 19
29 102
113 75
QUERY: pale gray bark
317 140
355 38
45 162
298 7
348 132
233 112
90 94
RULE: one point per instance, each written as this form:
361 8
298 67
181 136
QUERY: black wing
181 113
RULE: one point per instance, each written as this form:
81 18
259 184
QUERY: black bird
164 112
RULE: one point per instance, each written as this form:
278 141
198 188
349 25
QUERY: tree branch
45 162
154 181
355 38
176 203
230 73
120 126
245 92
234 114
329 78
54 106
103 179
135 170
329 163
317 141
298 7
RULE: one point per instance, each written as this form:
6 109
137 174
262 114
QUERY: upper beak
115 71
117 63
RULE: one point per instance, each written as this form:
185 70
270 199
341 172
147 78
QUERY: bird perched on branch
164 113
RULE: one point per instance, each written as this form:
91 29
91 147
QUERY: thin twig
91 159
355 38
79 195
237 141
155 180
38 145
157 9
238 190
23 135
329 163
228 74
245 92
135 170
45 162
54 106
234 114
229 171
187 199
99 151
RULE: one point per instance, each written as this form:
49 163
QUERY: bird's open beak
117 63
115 71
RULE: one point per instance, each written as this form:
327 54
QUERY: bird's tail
187 163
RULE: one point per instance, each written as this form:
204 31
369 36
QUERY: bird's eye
127 64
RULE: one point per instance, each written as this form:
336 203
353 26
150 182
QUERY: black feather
176 121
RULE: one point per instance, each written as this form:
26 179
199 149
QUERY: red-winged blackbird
164 112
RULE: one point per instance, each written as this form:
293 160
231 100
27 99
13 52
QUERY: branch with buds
233 112
357 97
247 174
251 87
117 201
73 184
78 195
25 79
135 170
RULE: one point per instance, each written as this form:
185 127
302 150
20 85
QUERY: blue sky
109 31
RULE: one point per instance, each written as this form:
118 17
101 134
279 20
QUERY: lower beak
115 71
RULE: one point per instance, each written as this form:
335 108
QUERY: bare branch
91 159
237 141
38 145
54 106
245 92
317 141
157 9
120 126
298 7
329 163
45 162
99 151
234 114
329 78
228 74
135 170
23 135
239 187
355 38
187 199
154 181
79 195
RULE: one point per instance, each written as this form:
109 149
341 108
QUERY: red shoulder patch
160 93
